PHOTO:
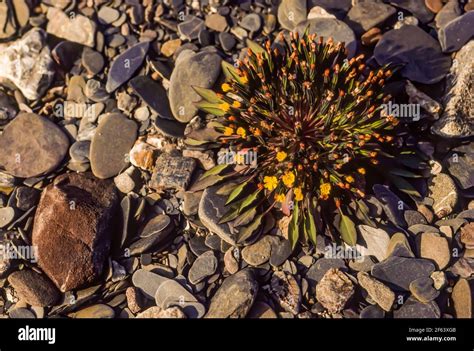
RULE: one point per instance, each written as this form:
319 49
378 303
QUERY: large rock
442 189
27 63
418 51
77 28
457 120
72 229
334 290
33 288
366 15
291 12
32 145
457 32
111 145
375 241
378 291
463 298
413 308
235 296
202 70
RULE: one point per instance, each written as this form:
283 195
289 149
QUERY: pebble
286 291
439 279
24 159
252 22
317 271
7 215
261 310
259 252
80 150
280 253
172 293
135 299
334 290
204 266
319 12
125 65
434 5
111 145
21 313
148 282
33 288
78 28
457 32
374 241
442 189
95 311
243 288
107 15
291 12
190 28
230 262
399 272
153 95
435 247
425 63
412 308
216 22
201 69
463 298
377 291
399 246
416 7
392 205
424 290
449 12
143 155
366 15
371 37
227 41
371 312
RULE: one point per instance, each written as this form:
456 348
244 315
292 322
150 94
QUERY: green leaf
194 142
347 230
247 232
214 171
208 94
404 186
236 192
249 200
293 227
411 161
256 48
245 217
310 227
226 189
230 71
231 214
202 184
362 212
404 173
211 108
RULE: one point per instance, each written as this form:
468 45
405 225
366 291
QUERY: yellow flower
281 156
361 170
224 106
298 194
270 182
226 87
228 131
244 79
350 179
288 179
236 104
241 131
280 197
325 189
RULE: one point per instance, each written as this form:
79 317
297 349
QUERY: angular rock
412 308
334 290
243 288
399 246
420 54
72 229
172 171
457 32
424 290
457 120
77 28
378 291
34 288
366 15
111 145
435 247
125 65
463 298
22 158
392 205
442 190
317 271
204 266
374 241
286 292
153 94
399 272
190 27
28 64
202 70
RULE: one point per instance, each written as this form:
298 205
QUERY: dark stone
72 229
391 204
448 13
366 15
416 7
280 253
227 41
337 8
414 217
92 60
153 94
418 51
317 271
456 33
191 27
169 128
413 308
460 163
172 171
373 311
34 288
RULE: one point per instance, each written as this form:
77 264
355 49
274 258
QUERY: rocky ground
98 214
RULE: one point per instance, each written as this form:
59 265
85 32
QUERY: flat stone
189 29
22 158
259 252
421 54
338 8
204 266
243 288
450 11
378 291
412 308
26 197
77 28
125 65
169 47
416 7
467 235
148 282
231 263
171 293
21 313
366 15
252 22
280 253
28 64
111 145
334 290
153 94
92 61
211 208
399 272
457 119
392 205
72 226
442 189
107 15
33 288
331 28
95 311
371 312
80 151
424 290
172 171
202 70
7 215
457 32
463 298
399 246
286 292
261 310
216 22
414 217
169 128
317 271
291 13
374 241
227 41
435 247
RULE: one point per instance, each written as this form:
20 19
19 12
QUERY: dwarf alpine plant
315 121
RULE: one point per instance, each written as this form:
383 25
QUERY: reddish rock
72 229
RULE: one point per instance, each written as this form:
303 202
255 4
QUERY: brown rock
467 235
371 37
378 291
434 5
169 48
172 171
334 290
34 288
135 299
435 247
230 262
72 229
463 298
